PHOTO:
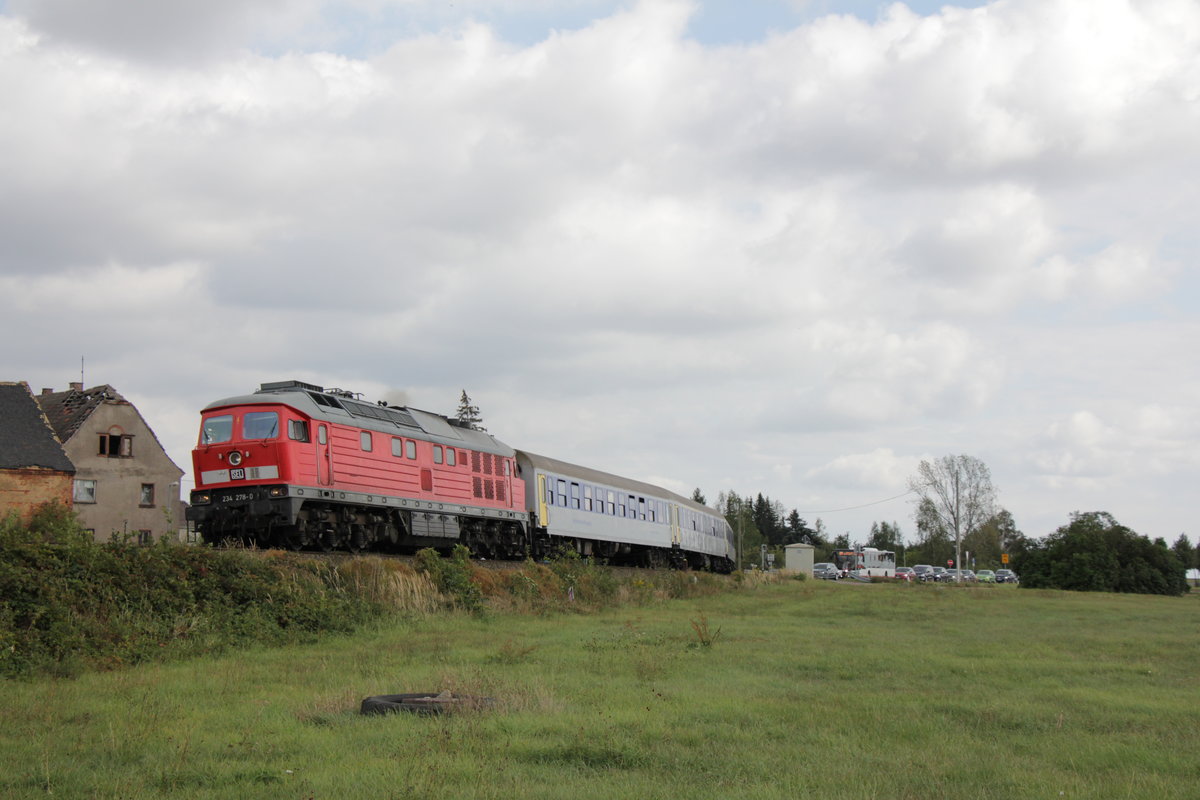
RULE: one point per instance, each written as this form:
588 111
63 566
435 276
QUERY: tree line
956 514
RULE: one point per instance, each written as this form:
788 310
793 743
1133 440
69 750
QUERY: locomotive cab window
260 425
216 430
322 434
298 430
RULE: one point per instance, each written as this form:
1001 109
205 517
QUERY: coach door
543 513
324 457
675 524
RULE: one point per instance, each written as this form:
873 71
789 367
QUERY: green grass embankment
778 690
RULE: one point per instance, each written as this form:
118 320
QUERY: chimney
46 391
77 386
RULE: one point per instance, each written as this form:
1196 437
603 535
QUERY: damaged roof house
125 483
34 468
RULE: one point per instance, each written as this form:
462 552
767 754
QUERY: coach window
574 495
364 438
410 449
641 508
549 492
562 493
612 503
397 447
298 430
437 454
587 498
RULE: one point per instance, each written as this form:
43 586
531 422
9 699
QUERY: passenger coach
622 520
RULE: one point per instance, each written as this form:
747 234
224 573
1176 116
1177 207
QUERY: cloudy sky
788 247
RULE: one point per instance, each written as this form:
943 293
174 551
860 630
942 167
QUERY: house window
145 537
364 438
147 495
85 491
116 445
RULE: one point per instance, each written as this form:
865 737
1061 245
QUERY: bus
875 563
845 560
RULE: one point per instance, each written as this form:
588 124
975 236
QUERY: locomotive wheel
326 540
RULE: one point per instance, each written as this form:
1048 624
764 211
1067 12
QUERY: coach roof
565 469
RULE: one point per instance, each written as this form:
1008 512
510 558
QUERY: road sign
949 562
1004 558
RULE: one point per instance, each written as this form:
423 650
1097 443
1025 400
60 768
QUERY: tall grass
809 690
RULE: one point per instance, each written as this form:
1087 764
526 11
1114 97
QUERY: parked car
959 576
906 574
925 572
985 576
969 576
1006 576
826 572
939 573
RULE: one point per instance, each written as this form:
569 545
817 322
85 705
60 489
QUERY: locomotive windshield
217 429
260 425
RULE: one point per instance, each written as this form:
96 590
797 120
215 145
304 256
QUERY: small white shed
798 558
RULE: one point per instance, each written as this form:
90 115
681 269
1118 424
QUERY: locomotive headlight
201 499
235 458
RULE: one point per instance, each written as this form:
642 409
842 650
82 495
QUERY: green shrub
68 604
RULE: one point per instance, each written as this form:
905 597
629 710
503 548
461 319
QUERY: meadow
778 689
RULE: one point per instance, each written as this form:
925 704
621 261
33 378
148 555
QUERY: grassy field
793 689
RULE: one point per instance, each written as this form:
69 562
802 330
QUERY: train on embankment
297 466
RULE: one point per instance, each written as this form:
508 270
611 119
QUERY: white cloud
789 265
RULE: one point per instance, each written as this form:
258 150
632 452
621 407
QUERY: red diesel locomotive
298 466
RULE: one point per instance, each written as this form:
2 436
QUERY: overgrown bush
68 604
452 576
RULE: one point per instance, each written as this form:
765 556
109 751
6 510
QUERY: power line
864 505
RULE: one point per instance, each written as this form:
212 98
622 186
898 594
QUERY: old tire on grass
426 703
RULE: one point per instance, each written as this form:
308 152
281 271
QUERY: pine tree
469 413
